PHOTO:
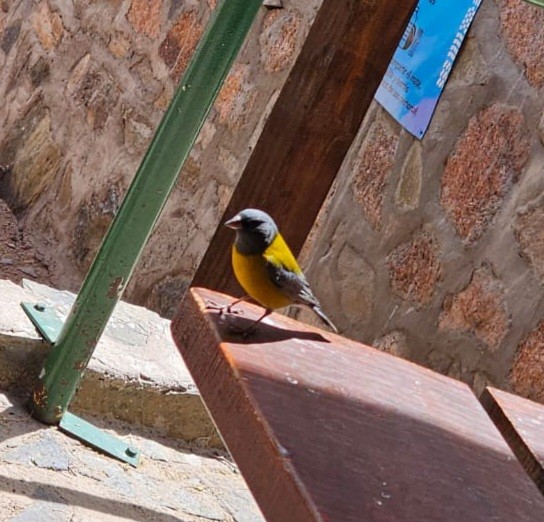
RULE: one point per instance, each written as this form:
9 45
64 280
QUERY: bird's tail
324 318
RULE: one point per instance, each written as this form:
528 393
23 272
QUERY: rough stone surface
237 97
278 40
394 343
474 180
36 160
415 268
411 177
372 167
479 309
145 17
523 27
17 256
487 159
48 26
44 452
356 297
94 88
529 229
93 219
136 373
95 79
180 42
49 476
527 374
466 196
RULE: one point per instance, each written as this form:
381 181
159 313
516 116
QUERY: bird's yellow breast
251 272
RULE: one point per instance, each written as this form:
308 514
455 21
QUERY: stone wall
83 86
434 250
431 250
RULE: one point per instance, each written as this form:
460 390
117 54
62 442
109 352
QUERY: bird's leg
240 300
226 309
248 330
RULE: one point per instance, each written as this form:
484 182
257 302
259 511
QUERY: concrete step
135 375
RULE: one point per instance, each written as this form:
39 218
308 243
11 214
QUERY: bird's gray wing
294 285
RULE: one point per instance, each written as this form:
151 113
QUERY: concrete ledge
136 373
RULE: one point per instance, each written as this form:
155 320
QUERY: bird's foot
222 309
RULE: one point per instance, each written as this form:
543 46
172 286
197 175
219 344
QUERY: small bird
266 268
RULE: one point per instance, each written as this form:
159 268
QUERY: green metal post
141 207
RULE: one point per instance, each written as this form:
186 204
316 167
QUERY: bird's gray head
255 231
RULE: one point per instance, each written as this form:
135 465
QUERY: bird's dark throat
250 243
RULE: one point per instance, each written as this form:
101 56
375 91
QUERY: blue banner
423 61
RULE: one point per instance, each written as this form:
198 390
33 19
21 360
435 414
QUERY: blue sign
423 61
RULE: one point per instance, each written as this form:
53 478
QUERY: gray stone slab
44 512
136 345
44 452
172 483
135 374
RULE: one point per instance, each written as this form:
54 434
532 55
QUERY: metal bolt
39 306
131 452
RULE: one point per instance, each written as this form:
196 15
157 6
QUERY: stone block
522 24
177 48
48 26
40 71
135 375
529 231
411 177
372 166
415 268
138 131
394 343
479 309
236 97
146 17
45 452
165 296
36 158
357 279
278 39
96 89
527 373
487 159
119 45
9 36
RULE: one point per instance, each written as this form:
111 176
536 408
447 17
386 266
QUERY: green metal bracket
141 207
536 2
99 439
45 320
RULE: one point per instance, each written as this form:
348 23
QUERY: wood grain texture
521 422
326 429
312 124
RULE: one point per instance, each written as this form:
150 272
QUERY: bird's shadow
233 327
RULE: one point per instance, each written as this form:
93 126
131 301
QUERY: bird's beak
235 223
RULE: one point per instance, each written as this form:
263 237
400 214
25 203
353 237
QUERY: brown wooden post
313 123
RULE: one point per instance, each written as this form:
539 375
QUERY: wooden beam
312 124
324 428
521 423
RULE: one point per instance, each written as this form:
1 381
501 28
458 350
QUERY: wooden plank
324 428
312 124
521 422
